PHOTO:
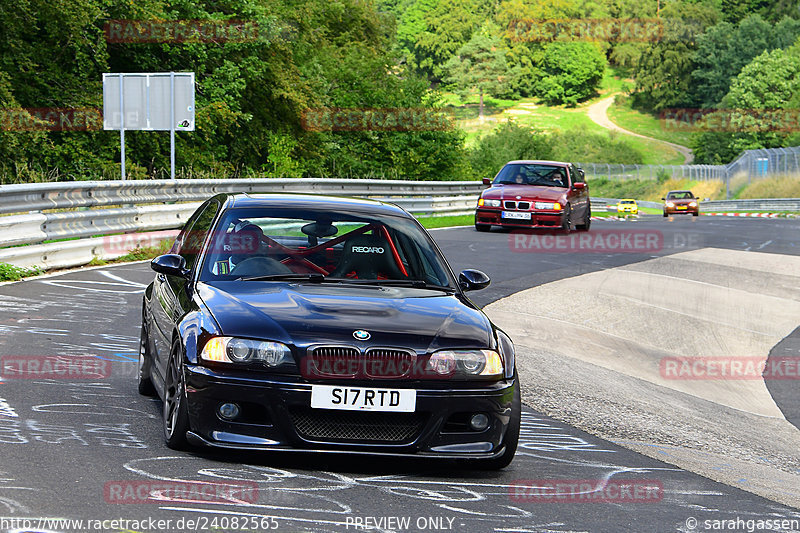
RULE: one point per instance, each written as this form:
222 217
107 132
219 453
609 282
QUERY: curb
755 215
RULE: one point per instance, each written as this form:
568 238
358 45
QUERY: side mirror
473 280
171 265
487 181
663 198
579 185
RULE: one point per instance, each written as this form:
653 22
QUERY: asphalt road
71 448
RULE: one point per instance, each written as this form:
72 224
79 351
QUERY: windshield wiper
319 278
313 278
415 283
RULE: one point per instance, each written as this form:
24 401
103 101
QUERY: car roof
539 162
678 190
627 200
309 201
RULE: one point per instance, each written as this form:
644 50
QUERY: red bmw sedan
535 194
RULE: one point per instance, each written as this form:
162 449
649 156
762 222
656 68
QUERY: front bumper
276 415
539 219
686 210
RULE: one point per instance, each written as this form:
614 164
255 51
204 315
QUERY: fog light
479 422
228 411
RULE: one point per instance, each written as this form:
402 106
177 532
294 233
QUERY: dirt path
598 112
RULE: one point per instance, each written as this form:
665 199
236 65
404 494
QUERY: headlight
692 204
670 204
465 364
234 350
555 206
489 203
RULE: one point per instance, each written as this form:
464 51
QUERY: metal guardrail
134 207
138 212
39 227
761 204
43 196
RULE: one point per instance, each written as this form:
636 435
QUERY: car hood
526 192
303 314
681 201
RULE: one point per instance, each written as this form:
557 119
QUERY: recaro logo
367 249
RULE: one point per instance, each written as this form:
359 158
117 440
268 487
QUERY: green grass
447 221
15 273
548 119
624 116
614 82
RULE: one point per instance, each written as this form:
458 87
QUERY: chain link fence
750 165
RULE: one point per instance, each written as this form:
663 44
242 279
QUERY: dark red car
535 194
678 202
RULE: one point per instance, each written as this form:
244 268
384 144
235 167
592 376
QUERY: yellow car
627 206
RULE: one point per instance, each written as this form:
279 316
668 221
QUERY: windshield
532 174
279 244
627 202
682 195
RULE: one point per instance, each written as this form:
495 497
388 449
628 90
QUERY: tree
724 49
479 65
663 73
448 26
748 120
569 72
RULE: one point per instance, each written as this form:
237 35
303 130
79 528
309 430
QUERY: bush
511 141
508 142
585 146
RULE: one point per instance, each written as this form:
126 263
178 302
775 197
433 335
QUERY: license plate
363 399
681 207
517 214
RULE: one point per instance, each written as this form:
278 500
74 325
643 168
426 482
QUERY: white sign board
147 101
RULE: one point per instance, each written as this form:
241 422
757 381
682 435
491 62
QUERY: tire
176 417
587 222
511 438
695 213
144 379
665 214
566 227
483 228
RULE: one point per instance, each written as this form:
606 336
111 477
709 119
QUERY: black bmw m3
310 323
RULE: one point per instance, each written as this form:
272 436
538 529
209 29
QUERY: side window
190 242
